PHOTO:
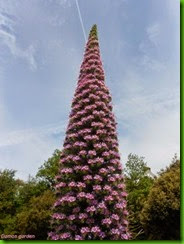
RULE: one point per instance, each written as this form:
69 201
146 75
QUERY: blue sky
42 45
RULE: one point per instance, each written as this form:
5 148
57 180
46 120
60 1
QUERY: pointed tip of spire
93 32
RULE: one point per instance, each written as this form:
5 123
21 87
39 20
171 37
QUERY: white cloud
26 150
153 32
22 136
157 141
141 105
27 157
8 38
151 63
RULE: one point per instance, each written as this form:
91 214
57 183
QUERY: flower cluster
82 169
91 198
106 221
87 177
80 144
97 187
60 185
91 209
66 171
91 138
83 216
58 216
103 171
65 199
97 124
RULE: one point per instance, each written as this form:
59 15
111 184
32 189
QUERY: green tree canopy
49 169
160 216
138 184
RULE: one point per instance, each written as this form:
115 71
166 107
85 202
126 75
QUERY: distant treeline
153 201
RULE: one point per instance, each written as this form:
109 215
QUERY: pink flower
100 132
101 205
97 124
78 238
109 198
84 168
114 193
99 160
115 231
81 185
54 237
71 199
91 161
61 184
125 222
124 194
58 216
97 187
124 237
87 138
72 184
125 212
91 209
82 153
121 186
76 158
89 196
95 229
87 177
107 188
106 221
97 146
77 168
102 235
92 153
65 236
103 171
68 146
85 230
119 206
115 217
98 178
111 179
95 137
83 216
66 171
71 217
111 168
105 154
81 195
118 176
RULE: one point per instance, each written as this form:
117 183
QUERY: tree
160 216
49 169
91 201
138 184
25 207
33 217
8 205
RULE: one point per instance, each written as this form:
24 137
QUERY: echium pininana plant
91 197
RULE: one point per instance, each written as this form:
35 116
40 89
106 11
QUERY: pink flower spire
90 190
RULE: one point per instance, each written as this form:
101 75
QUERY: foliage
33 217
161 213
138 184
49 169
8 205
25 207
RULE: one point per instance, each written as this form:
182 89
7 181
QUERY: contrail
80 17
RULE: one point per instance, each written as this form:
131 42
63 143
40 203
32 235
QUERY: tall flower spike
91 196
